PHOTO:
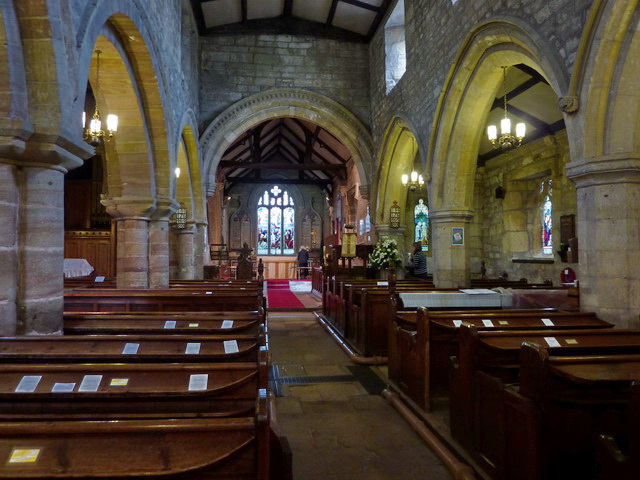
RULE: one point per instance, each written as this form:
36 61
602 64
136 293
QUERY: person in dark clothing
303 261
418 262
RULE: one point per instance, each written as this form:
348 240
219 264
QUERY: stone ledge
533 260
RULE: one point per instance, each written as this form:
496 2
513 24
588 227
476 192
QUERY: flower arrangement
385 254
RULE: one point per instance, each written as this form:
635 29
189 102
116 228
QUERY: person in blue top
418 262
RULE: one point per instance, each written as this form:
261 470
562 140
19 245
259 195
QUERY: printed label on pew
194 325
208 293
547 322
503 322
552 342
90 383
99 279
119 382
231 346
192 349
170 324
487 323
383 284
131 349
59 387
571 341
28 383
24 455
227 324
457 323
198 382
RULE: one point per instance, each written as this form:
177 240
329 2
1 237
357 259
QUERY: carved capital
164 209
569 103
130 208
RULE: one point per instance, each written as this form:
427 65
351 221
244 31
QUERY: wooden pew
161 301
99 391
227 448
421 343
248 315
125 348
619 457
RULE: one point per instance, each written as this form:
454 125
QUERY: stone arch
190 142
286 102
125 23
464 103
400 147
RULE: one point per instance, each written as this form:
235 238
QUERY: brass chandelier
94 132
506 139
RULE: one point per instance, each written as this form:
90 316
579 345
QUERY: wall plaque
394 215
181 218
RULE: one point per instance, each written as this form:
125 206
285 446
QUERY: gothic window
395 49
421 221
276 223
546 218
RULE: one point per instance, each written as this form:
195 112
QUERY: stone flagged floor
337 427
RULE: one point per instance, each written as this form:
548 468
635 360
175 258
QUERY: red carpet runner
280 296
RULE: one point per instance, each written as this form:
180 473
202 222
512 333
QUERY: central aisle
338 426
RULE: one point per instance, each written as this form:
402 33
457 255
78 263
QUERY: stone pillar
450 262
132 216
159 244
186 254
608 221
201 250
9 278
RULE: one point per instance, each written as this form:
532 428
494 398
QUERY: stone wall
235 66
435 31
510 228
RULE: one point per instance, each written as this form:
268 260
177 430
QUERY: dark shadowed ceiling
291 150
344 19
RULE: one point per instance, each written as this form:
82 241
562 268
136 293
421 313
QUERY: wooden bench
235 448
125 348
421 342
162 300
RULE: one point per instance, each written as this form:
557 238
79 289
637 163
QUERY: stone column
608 221
186 254
159 244
201 250
9 278
132 216
450 262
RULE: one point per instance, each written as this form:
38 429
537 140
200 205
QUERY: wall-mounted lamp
177 172
415 183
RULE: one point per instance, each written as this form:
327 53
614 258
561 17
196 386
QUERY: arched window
546 219
276 223
421 220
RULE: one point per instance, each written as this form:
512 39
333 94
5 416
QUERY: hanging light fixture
506 139
94 132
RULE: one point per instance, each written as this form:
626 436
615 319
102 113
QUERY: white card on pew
170 324
90 383
193 325
487 323
231 346
192 349
547 322
99 279
552 342
227 324
383 284
28 383
119 382
208 293
198 382
457 323
24 455
130 349
59 387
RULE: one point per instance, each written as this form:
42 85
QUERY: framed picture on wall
457 236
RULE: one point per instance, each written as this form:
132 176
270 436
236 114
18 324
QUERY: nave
330 409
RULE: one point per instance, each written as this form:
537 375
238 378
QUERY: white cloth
76 267
449 299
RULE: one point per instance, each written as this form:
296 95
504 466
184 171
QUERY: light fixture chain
504 86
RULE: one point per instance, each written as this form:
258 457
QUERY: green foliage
385 254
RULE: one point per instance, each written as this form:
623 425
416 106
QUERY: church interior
211 211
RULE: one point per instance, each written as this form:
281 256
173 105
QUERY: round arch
400 147
125 24
286 102
467 95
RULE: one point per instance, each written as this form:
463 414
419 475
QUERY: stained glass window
421 221
276 223
546 220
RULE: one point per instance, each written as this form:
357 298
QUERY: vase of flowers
385 256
